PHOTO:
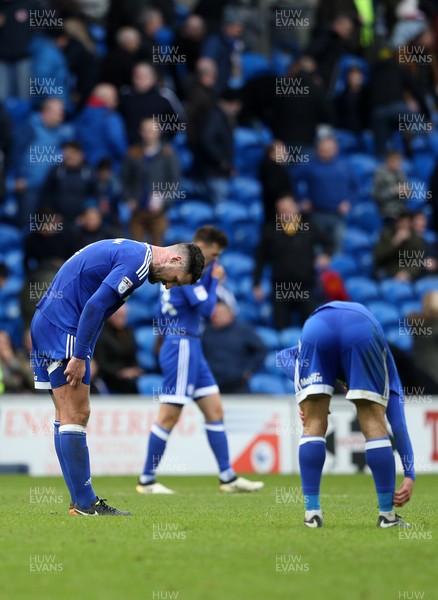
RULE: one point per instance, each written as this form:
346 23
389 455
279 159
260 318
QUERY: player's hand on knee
404 493
75 371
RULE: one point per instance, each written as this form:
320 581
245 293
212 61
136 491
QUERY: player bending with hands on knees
343 340
87 289
186 374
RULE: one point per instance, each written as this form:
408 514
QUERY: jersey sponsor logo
124 285
313 378
200 293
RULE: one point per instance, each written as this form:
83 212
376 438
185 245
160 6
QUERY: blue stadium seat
180 140
146 360
13 286
243 287
245 237
403 342
147 294
343 264
364 167
261 383
145 338
270 337
150 385
254 65
237 264
423 164
395 292
348 141
18 109
365 262
362 289
248 312
265 313
139 312
270 364
281 61
10 238
289 337
245 188
230 213
426 284
178 233
387 315
365 216
256 211
196 213
185 157
412 306
357 240
15 261
249 149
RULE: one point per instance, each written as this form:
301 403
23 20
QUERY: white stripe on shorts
182 368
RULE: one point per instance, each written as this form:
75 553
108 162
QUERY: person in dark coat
115 355
294 247
69 184
274 178
150 177
119 63
232 349
214 146
145 100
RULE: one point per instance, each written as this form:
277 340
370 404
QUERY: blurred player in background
186 374
87 289
342 340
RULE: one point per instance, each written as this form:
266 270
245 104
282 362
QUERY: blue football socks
217 438
74 450
156 448
311 457
380 459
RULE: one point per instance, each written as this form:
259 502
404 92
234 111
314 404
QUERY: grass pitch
203 545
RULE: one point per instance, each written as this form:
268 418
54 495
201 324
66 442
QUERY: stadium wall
263 434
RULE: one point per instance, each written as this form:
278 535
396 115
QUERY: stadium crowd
305 130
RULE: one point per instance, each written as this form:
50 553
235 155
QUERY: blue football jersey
121 264
182 310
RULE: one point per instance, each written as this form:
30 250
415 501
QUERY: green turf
214 546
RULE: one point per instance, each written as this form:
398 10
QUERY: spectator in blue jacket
331 190
38 149
225 47
50 73
100 129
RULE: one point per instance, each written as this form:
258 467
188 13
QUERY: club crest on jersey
124 285
200 293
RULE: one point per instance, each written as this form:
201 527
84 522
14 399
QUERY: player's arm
395 414
203 297
89 326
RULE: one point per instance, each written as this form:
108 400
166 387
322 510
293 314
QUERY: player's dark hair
74 145
195 260
211 235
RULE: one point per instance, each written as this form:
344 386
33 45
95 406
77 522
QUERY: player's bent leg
380 459
211 407
311 454
57 444
74 410
167 418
